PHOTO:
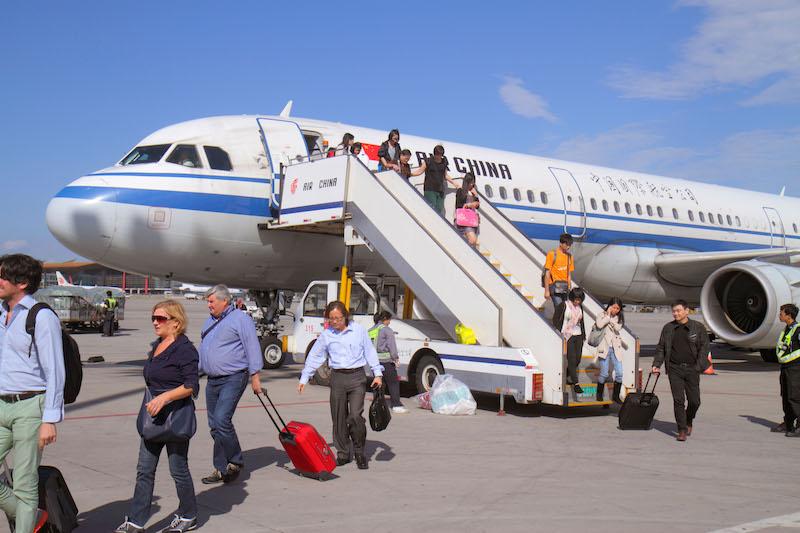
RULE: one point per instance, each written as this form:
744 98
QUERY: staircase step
589 404
507 274
516 285
495 263
486 254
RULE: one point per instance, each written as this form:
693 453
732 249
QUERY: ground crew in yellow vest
382 337
788 352
110 306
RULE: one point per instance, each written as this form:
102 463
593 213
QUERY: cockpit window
145 154
218 158
186 155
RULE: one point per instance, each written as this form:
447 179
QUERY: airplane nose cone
83 219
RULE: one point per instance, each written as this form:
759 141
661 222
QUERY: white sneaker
399 409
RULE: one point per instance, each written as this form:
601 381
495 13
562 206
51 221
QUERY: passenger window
739 222
517 195
503 193
616 207
691 215
794 226
711 218
316 300
674 213
702 216
638 209
145 154
218 158
728 219
185 155
488 190
649 210
531 196
605 205
719 219
660 211
627 208
543 197
593 203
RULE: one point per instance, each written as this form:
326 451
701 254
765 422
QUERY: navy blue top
175 366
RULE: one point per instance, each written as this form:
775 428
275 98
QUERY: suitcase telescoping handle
652 392
285 429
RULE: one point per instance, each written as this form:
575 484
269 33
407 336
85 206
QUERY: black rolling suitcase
639 408
54 498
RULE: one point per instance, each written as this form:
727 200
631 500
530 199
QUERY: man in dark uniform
684 347
109 313
788 352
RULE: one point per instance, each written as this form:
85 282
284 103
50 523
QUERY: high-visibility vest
111 303
784 344
373 332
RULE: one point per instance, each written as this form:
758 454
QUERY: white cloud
749 44
757 159
523 102
8 246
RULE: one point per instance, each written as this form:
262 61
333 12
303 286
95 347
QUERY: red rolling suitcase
309 452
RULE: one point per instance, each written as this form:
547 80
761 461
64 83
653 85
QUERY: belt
347 370
18 397
682 364
229 375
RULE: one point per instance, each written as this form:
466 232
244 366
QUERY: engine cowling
740 301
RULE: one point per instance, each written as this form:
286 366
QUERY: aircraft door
283 144
574 205
776 229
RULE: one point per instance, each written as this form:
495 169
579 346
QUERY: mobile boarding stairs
496 290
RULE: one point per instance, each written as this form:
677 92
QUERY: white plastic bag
450 396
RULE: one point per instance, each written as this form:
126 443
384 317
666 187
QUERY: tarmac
539 468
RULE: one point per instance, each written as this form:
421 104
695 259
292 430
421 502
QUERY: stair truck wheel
427 369
271 352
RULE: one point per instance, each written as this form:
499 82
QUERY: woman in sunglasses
170 374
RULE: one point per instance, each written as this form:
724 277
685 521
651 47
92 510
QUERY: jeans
557 297
222 396
684 381
610 357
392 383
177 453
435 200
19 429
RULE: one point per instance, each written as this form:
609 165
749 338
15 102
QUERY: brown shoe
681 435
688 431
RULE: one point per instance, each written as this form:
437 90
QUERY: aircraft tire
271 352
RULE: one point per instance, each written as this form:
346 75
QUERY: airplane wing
692 268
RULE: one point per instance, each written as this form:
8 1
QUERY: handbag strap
215 324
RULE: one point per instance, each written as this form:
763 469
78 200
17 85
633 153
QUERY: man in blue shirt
348 349
31 386
230 355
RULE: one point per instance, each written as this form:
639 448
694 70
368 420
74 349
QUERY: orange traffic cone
710 370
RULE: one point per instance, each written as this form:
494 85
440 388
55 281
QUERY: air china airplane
186 202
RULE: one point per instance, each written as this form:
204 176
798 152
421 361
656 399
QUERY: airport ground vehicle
424 347
81 307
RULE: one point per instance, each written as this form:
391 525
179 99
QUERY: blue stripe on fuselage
246 205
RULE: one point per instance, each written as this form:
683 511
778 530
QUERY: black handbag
379 413
176 422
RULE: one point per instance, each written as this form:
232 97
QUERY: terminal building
94 274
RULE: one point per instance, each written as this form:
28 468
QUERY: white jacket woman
611 321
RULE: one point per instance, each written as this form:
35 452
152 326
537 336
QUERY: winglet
62 282
286 109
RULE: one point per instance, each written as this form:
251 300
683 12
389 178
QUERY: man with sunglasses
230 355
31 385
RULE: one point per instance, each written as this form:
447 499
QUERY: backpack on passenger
73 369
57 510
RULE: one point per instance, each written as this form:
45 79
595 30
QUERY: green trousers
19 429
435 200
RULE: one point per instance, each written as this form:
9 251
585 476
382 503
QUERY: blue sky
700 89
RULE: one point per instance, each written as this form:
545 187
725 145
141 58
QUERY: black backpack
73 369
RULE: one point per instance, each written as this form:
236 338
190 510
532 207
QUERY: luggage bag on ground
639 408
54 498
306 448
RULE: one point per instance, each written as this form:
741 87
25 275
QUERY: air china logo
293 186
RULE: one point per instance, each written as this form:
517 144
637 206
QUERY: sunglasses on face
159 318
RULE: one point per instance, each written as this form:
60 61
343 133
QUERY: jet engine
740 302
